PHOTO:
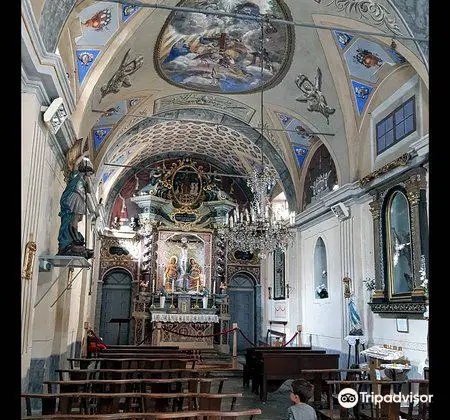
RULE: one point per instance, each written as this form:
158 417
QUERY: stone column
375 209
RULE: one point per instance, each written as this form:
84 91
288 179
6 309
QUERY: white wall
47 332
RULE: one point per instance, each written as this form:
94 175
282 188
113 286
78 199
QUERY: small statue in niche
73 202
223 288
313 95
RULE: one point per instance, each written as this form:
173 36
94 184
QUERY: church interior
225 209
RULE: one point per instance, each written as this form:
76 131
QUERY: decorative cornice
320 210
37 88
191 100
398 307
30 29
400 161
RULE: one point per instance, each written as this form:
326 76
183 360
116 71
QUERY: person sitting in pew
301 393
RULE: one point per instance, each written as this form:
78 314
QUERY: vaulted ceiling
154 84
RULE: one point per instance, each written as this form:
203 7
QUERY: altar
186 331
182 262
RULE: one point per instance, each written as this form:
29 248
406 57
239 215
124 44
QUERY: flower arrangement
322 291
205 292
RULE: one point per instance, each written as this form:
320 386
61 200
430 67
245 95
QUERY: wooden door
116 303
241 291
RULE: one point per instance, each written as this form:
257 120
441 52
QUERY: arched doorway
116 303
241 290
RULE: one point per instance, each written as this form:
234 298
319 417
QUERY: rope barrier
285 344
243 335
200 336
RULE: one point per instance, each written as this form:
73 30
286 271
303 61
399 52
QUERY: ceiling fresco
368 63
224 54
85 60
110 118
128 10
99 23
296 132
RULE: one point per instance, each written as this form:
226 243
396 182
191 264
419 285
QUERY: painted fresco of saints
171 273
194 275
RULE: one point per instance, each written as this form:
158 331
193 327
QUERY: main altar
183 262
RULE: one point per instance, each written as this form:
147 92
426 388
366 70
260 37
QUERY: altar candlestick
214 287
172 285
226 219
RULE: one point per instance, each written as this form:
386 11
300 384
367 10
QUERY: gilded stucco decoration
371 10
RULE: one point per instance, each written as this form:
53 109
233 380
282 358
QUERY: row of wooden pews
139 383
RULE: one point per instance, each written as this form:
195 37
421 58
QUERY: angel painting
313 95
121 78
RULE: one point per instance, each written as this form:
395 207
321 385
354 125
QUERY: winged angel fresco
313 95
121 78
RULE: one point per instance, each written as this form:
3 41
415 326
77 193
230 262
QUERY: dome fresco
223 54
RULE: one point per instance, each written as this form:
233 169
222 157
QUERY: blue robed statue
73 202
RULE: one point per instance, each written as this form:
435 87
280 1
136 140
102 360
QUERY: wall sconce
347 281
270 292
54 115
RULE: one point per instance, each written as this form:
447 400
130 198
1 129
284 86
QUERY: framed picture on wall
279 290
402 325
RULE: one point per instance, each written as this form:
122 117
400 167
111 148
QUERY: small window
396 126
320 270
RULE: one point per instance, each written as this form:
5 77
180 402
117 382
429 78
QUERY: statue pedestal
353 342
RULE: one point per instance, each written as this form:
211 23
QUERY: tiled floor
274 409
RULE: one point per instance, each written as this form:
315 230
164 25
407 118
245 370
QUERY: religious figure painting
224 54
184 261
187 186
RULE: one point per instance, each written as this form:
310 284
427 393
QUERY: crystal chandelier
258 228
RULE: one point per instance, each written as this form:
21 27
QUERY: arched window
399 261
320 270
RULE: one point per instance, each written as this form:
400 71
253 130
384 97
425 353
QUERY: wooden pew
207 415
110 403
318 377
83 374
135 362
250 359
274 368
386 411
194 384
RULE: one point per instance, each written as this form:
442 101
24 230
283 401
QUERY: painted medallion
224 54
